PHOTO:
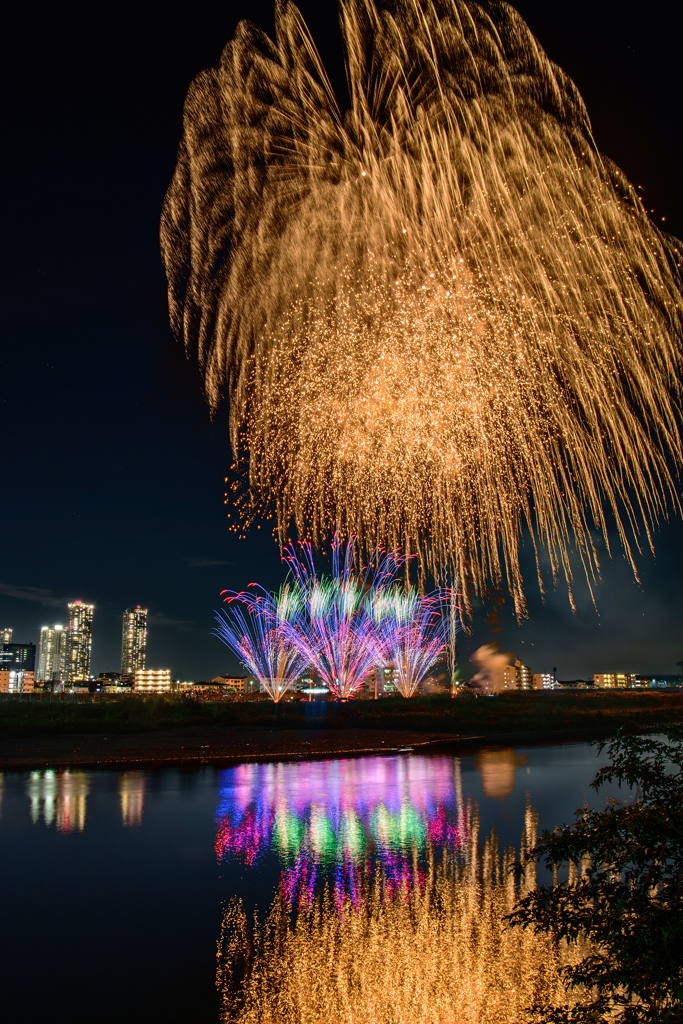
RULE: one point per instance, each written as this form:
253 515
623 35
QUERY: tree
624 891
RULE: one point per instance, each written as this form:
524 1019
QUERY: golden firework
442 318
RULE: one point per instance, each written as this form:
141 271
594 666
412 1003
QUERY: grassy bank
524 715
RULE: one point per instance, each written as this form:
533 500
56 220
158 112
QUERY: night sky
113 474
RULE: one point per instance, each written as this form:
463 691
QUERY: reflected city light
59 798
132 795
338 820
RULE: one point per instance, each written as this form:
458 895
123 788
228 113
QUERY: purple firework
260 638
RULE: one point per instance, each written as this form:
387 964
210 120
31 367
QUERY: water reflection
338 819
59 798
132 795
497 770
437 952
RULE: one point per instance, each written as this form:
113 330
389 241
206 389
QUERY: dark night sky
113 471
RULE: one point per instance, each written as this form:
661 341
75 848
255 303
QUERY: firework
260 638
337 634
342 626
442 318
412 633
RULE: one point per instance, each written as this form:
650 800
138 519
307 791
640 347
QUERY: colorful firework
261 639
342 626
336 634
442 317
412 633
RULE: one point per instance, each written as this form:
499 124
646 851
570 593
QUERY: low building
382 680
16 682
17 667
523 675
516 676
153 680
657 680
233 683
237 684
304 682
113 682
509 678
542 681
614 680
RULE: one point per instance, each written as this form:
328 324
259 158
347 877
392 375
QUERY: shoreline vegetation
176 730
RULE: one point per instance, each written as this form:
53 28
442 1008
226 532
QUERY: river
117 886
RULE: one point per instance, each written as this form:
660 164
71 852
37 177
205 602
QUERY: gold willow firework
436 951
441 317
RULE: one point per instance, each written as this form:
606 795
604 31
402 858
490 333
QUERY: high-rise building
134 642
51 653
78 642
17 667
5 636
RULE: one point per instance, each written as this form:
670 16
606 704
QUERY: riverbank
202 746
162 731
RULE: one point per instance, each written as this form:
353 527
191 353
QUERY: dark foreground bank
162 730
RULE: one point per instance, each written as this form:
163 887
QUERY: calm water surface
114 884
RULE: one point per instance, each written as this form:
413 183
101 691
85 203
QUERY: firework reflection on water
335 822
431 950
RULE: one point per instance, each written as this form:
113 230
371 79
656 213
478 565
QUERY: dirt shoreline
204 745
219 745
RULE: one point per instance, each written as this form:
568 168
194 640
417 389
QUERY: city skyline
134 637
165 542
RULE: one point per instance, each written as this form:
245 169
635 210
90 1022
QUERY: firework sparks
341 626
337 634
442 318
412 634
260 638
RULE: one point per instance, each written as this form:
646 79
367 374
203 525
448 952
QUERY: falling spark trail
413 633
260 638
337 634
441 318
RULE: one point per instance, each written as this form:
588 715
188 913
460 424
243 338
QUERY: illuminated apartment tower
5 636
134 643
52 653
78 642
